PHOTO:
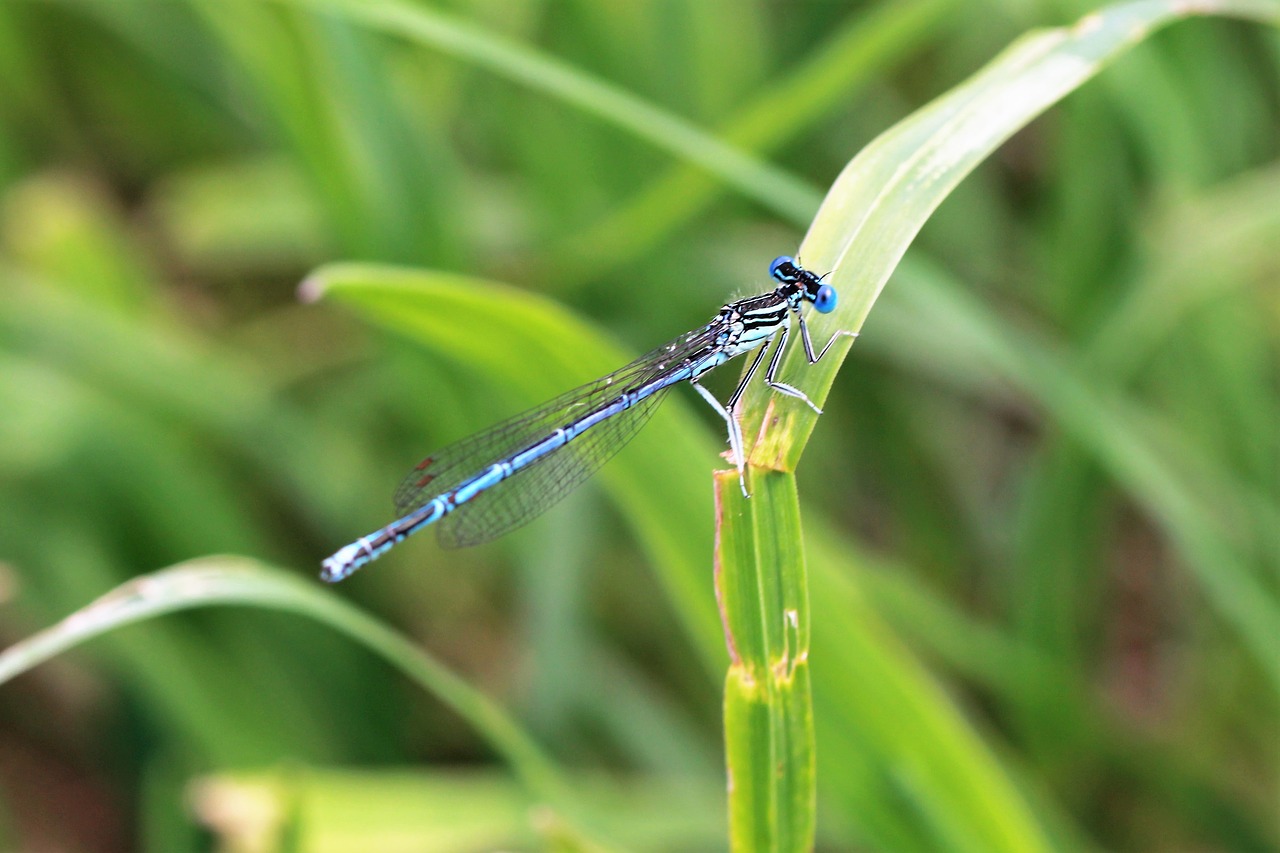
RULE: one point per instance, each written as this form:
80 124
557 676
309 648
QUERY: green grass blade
381 178
448 809
882 198
828 76
768 710
1130 443
756 179
870 216
244 582
878 706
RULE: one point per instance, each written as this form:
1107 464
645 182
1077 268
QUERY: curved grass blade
868 219
883 197
241 581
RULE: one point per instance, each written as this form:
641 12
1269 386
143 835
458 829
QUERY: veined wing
534 489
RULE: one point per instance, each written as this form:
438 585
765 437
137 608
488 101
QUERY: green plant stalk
768 709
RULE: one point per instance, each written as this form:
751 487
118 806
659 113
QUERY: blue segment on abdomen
492 476
552 442
573 430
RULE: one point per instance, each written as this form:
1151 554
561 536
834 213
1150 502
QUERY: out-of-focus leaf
230 580
445 811
60 226
526 66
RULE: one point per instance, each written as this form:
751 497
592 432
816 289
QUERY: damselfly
485 485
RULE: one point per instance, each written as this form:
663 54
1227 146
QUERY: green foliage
1041 507
768 710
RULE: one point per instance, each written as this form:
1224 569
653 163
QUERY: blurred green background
1049 564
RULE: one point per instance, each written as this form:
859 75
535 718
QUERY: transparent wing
534 489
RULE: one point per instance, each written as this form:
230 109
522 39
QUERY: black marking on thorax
769 309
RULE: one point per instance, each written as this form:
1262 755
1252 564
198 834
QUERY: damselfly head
786 270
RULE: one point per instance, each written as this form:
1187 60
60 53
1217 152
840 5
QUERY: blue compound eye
777 271
824 301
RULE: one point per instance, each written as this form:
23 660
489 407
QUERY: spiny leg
735 434
808 352
808 344
782 387
746 377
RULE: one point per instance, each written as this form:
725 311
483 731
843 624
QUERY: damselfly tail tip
341 564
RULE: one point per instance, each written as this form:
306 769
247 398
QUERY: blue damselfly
494 481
